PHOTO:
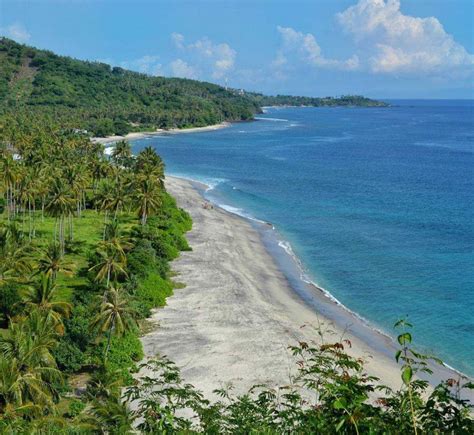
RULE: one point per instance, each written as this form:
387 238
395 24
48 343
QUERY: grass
87 233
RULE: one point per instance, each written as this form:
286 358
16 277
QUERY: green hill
110 100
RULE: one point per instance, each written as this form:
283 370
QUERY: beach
142 135
237 314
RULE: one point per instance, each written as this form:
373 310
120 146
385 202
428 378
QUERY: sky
377 48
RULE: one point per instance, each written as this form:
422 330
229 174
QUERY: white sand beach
141 135
237 315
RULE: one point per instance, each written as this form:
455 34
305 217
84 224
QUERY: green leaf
407 374
340 403
404 338
397 355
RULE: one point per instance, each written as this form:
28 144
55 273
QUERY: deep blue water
377 203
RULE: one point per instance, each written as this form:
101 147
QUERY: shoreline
321 300
109 140
212 352
237 315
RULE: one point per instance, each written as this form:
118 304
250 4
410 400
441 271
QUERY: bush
151 293
142 259
69 357
124 352
9 301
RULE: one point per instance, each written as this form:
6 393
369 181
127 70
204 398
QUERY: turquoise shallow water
378 204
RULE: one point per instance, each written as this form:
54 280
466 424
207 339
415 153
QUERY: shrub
142 259
151 293
69 357
9 301
124 352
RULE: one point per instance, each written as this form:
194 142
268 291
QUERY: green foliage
332 393
105 100
151 293
69 356
9 300
124 352
290 100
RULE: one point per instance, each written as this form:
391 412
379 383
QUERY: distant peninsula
101 100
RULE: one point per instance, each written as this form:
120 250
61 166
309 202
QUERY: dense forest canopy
108 100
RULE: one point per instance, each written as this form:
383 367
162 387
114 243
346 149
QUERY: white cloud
148 64
214 59
398 43
299 47
180 68
16 31
178 40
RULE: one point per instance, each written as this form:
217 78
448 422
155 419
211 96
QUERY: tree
115 315
147 197
28 372
43 298
60 205
149 163
110 263
15 260
53 262
122 154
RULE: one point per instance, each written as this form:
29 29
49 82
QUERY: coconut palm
115 315
122 153
104 199
111 263
114 238
119 196
53 262
147 197
150 163
28 372
9 174
15 258
43 298
60 205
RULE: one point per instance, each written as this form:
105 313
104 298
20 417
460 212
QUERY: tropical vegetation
86 242
99 100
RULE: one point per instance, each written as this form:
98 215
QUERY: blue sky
379 48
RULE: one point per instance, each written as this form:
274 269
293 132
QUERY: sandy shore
141 135
237 314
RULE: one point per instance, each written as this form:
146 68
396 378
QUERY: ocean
377 205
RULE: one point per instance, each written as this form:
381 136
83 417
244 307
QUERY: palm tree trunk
109 336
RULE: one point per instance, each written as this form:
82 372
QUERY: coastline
238 313
238 275
141 135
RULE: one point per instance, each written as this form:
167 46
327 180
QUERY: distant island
103 100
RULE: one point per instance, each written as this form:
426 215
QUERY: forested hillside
106 100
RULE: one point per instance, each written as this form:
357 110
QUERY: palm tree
119 196
42 297
114 238
149 163
110 264
53 262
15 258
60 205
104 199
28 372
148 197
122 153
9 174
115 315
